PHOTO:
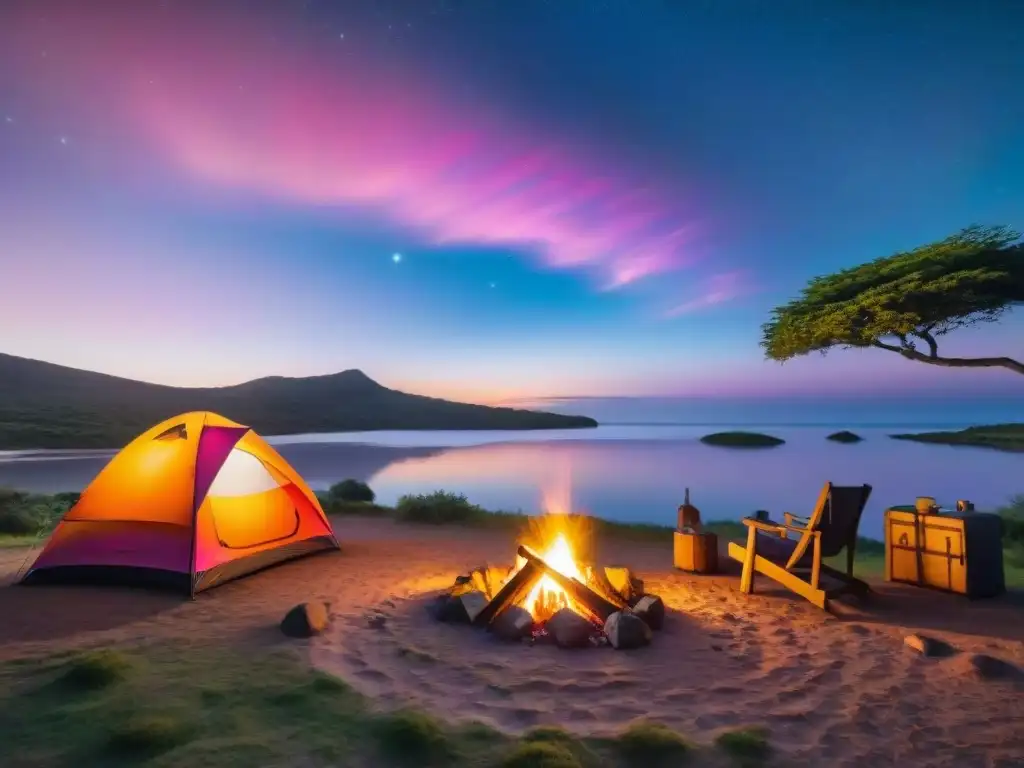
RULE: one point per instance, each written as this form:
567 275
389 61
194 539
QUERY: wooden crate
959 553
695 552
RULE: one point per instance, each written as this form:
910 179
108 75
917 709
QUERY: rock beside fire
626 630
458 608
651 609
569 629
625 583
514 623
305 620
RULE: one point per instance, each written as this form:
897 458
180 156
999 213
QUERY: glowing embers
553 594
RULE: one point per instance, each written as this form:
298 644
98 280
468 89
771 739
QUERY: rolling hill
43 405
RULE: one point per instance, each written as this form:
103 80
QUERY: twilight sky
486 199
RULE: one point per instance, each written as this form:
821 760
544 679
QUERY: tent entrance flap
244 522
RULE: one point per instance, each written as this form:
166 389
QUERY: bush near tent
351 490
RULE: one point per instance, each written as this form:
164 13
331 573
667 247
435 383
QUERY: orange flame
555 536
547 597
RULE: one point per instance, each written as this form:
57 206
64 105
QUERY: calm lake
619 472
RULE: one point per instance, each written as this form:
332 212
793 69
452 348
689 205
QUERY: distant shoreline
68 448
1007 438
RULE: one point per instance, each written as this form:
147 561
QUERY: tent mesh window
177 432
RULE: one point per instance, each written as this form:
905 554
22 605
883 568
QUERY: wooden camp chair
791 552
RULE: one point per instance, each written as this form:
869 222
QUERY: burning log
580 593
523 580
486 579
597 579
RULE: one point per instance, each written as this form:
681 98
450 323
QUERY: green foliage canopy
904 303
351 490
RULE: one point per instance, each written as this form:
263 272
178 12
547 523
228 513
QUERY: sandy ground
837 690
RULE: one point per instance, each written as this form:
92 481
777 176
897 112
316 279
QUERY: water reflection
627 477
643 481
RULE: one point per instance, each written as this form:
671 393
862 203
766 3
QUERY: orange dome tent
193 502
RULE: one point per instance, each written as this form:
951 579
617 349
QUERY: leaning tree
906 302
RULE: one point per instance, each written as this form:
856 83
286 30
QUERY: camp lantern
687 516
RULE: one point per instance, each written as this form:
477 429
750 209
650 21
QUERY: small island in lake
1003 437
741 440
844 436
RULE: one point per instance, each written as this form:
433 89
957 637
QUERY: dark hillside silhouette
43 405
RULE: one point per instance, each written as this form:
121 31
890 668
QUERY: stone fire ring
609 607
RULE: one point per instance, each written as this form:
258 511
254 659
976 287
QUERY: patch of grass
1013 539
1003 437
15 542
539 754
844 436
358 508
650 743
93 670
565 741
193 705
742 440
745 745
146 736
200 706
413 737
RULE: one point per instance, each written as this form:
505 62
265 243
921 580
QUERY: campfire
553 594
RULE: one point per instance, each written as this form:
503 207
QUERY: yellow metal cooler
959 553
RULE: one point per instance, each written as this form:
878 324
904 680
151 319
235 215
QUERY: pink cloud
716 289
311 127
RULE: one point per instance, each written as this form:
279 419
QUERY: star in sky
9 119
63 139
396 257
493 285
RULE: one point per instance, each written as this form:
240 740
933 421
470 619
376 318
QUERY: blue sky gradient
590 198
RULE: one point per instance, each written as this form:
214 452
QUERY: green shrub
539 754
351 490
93 670
412 736
1013 531
651 743
18 521
745 744
10 498
437 507
25 514
14 517
145 736
67 498
1013 521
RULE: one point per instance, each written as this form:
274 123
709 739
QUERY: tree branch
933 346
953 362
